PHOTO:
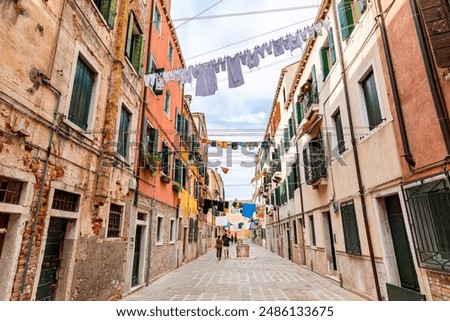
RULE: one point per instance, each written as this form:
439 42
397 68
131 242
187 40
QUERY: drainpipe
356 158
149 249
46 82
143 107
393 81
430 68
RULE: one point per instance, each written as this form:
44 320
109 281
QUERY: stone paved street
264 276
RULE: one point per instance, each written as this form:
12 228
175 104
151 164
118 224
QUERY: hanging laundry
248 209
327 25
311 32
213 143
260 51
220 206
278 48
207 204
304 35
221 221
149 80
252 59
186 75
318 28
268 47
234 145
206 79
234 69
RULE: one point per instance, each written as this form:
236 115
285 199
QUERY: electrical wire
227 15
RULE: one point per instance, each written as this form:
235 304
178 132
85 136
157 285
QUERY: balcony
314 162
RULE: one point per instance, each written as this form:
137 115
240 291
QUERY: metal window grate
114 222
10 191
428 206
65 201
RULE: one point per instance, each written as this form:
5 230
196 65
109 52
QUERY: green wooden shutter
372 103
299 112
331 47
291 128
324 62
345 18
350 227
315 92
138 53
287 143
129 44
108 10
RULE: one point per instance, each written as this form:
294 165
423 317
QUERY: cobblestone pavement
263 276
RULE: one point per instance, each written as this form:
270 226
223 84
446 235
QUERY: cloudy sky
211 29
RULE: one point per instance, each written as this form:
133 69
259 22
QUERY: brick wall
439 285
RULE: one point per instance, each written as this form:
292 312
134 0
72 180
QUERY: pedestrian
226 246
219 244
232 238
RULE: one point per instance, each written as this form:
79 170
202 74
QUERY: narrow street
263 276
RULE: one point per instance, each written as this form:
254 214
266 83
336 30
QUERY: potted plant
165 178
176 187
152 161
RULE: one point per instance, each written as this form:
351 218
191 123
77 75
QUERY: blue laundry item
248 209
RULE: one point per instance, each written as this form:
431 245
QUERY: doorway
329 242
405 264
136 256
51 262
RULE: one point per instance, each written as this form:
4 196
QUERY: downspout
141 139
41 188
143 107
393 81
430 69
356 159
149 249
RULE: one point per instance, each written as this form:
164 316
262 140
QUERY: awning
312 125
258 176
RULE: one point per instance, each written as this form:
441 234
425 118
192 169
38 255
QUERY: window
159 230
134 49
312 230
151 140
170 53
294 227
428 205
172 231
167 103
371 99
157 19
350 226
107 9
350 12
65 201
4 219
10 191
80 101
114 221
178 170
191 230
124 133
327 55
339 132
165 165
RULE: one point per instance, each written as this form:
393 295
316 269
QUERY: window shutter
287 143
345 18
299 112
138 53
291 128
129 36
108 10
179 122
324 62
372 103
331 47
314 82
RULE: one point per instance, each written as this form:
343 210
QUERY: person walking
219 245
226 246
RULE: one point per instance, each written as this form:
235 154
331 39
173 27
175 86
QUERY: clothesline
205 73
235 145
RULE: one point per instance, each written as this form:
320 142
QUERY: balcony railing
314 161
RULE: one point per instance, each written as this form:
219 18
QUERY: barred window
10 191
65 201
115 220
429 206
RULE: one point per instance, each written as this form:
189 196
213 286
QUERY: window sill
159 243
88 134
